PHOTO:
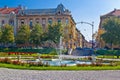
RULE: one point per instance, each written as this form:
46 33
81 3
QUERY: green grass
3 65
108 57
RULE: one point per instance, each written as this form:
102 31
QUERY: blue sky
82 10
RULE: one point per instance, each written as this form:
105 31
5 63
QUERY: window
70 36
59 20
11 22
50 20
3 22
43 22
31 23
37 20
67 21
22 21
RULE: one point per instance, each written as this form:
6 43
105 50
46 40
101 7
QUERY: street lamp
91 24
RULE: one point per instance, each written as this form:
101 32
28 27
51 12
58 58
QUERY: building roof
52 11
8 10
39 11
115 12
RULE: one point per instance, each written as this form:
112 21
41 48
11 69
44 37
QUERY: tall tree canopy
112 31
0 35
54 32
23 35
7 34
36 35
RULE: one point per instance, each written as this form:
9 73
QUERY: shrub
32 64
63 65
6 60
16 62
40 63
90 58
46 64
82 65
22 64
46 56
112 64
99 64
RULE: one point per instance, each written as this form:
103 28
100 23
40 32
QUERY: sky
81 10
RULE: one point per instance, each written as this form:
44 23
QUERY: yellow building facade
50 16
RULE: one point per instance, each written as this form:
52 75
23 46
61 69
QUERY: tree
0 35
36 35
23 35
112 31
54 33
7 34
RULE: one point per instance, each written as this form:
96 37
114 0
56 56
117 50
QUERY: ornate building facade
49 16
18 16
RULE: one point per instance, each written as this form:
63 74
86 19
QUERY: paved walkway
109 59
13 74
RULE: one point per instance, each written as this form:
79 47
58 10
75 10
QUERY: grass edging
11 66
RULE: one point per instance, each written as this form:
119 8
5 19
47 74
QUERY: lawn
59 67
108 57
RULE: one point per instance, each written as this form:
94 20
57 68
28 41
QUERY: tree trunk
117 56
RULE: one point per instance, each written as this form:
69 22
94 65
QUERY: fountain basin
57 62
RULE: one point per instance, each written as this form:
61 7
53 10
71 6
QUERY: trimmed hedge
44 50
108 52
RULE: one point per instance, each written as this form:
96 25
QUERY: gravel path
14 74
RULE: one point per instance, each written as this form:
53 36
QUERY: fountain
60 61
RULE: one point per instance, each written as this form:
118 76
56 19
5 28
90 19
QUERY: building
49 16
20 15
8 16
100 42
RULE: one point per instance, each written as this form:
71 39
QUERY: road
14 74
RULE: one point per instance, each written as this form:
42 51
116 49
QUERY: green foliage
36 35
45 50
54 32
53 52
59 67
108 52
112 31
7 34
0 35
23 35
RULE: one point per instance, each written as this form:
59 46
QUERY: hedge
44 50
108 52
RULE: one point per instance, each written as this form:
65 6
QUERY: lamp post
91 24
